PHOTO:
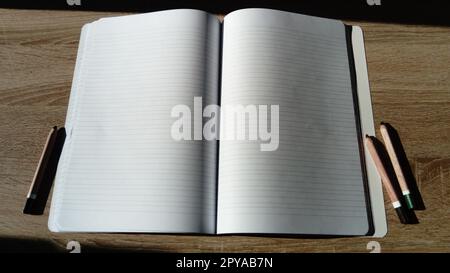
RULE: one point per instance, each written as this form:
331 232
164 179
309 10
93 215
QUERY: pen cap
402 215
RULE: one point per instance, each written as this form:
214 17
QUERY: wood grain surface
409 77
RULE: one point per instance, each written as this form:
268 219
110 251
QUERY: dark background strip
401 11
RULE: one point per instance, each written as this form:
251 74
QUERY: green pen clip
409 201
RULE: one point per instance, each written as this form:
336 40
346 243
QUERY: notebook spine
45 172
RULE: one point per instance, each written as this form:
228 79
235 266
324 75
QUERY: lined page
120 170
313 183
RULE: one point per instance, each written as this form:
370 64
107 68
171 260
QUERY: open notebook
122 171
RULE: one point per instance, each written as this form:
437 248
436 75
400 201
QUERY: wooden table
409 75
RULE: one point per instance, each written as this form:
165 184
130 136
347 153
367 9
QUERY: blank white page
120 169
313 183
